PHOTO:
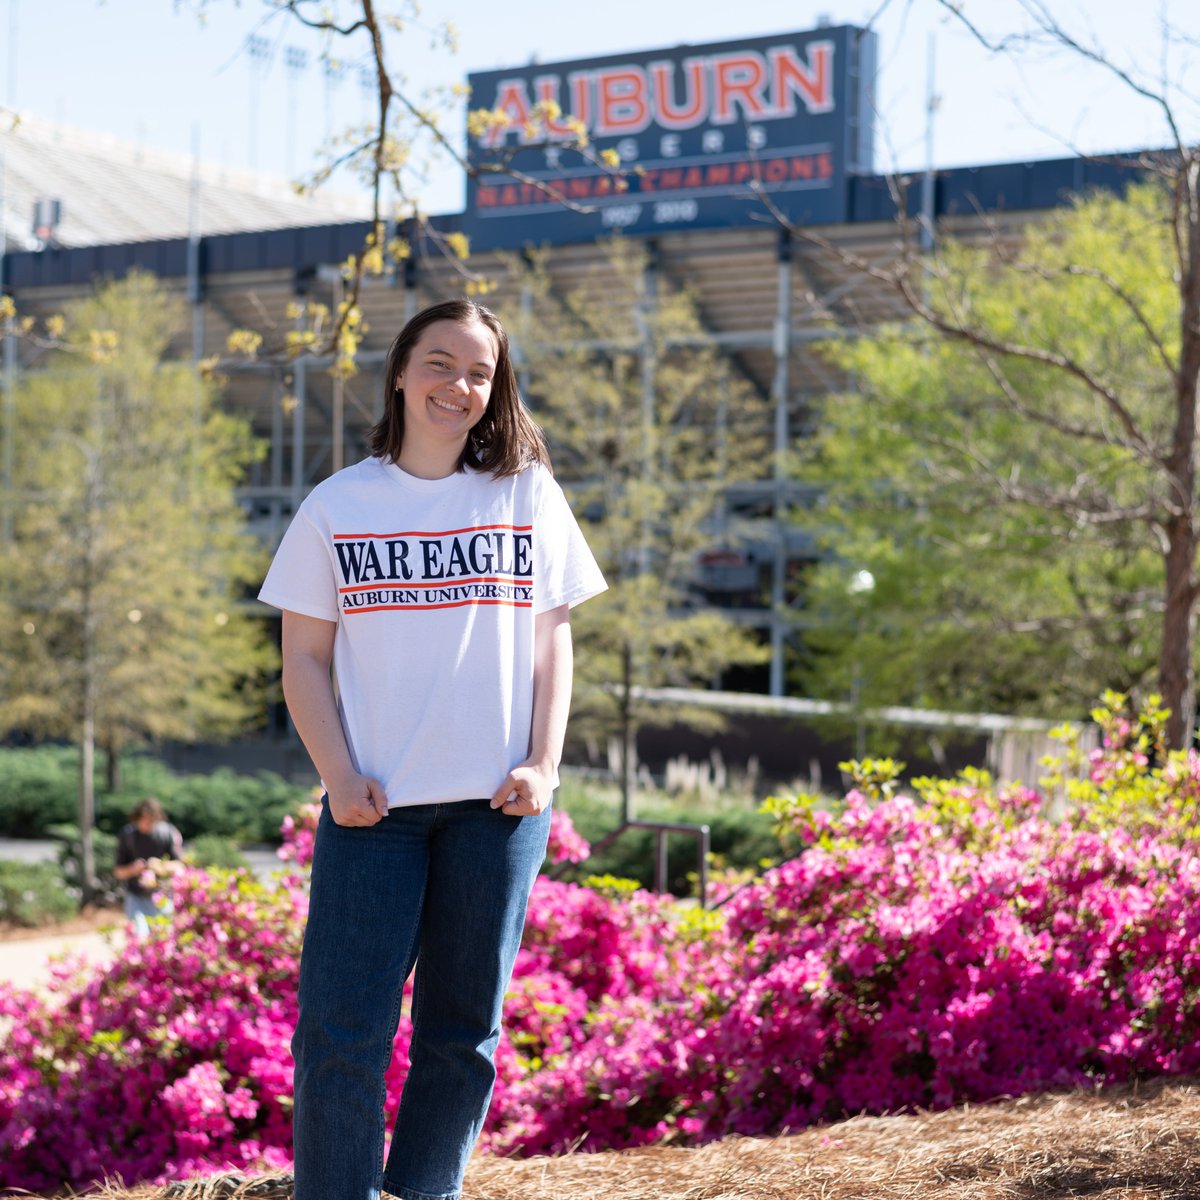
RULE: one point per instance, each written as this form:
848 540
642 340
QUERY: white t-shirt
434 585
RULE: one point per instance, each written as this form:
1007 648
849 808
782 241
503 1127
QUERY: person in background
144 846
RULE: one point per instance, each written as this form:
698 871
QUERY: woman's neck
427 463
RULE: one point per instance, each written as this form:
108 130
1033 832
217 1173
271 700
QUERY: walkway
26 962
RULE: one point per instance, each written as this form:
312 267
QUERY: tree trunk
87 802
112 767
89 666
1176 675
628 737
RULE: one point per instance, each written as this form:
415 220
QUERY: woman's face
447 383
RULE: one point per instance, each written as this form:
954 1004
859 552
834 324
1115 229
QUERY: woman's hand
526 790
529 786
356 800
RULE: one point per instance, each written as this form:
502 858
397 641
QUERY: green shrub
33 894
39 788
109 889
212 850
245 808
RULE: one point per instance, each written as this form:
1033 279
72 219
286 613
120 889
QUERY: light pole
862 583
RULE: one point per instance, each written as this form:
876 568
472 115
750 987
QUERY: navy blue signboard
696 127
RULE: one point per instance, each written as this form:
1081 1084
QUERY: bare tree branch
871 21
324 24
1050 27
899 278
961 331
1067 624
1135 310
1067 428
1074 501
378 148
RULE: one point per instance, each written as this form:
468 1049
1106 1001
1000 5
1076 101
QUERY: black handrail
661 829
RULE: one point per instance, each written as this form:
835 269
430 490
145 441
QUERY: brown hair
505 441
150 807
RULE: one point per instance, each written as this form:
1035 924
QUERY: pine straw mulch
1131 1143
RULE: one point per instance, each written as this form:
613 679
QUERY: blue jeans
441 885
141 910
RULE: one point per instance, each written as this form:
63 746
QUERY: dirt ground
1131 1143
90 920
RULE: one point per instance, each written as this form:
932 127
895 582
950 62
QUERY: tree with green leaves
647 427
127 558
1005 471
1080 351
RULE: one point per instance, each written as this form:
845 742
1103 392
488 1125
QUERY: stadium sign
697 127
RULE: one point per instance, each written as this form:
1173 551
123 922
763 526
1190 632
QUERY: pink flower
566 845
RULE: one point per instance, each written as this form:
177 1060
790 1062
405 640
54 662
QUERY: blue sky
149 71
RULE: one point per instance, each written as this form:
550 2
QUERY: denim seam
383 1084
397 1004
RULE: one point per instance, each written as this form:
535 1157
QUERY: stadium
748 183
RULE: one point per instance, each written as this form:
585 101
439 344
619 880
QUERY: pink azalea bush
168 1061
946 944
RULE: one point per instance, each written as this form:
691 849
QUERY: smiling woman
446 384
451 377
436 577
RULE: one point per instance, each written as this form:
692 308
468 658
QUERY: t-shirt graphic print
418 571
434 585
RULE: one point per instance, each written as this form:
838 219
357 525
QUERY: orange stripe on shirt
428 607
436 533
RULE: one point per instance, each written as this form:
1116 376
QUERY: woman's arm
354 799
527 788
